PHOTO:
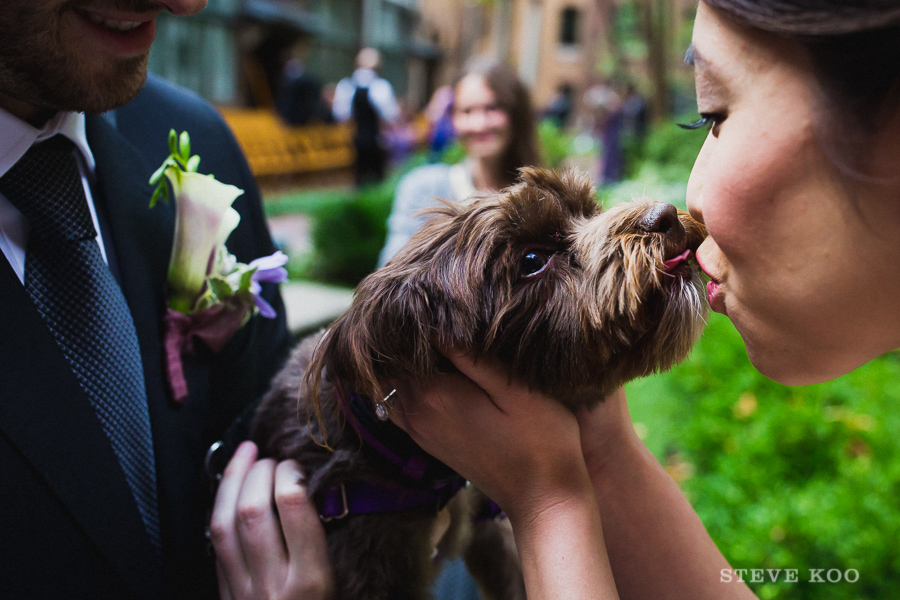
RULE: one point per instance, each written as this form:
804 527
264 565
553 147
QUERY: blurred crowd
493 121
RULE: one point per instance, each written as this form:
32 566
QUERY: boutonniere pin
211 295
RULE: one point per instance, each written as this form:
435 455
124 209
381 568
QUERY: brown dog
575 300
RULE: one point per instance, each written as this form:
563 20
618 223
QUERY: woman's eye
534 262
710 120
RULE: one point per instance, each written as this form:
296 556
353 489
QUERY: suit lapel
57 431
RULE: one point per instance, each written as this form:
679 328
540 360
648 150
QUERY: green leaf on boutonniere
220 287
185 147
176 164
173 142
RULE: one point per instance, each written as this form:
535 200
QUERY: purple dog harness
431 482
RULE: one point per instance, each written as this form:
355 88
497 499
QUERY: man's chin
107 93
80 92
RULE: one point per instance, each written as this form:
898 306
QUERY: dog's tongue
674 262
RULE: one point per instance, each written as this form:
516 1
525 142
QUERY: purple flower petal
277 275
265 309
270 268
278 259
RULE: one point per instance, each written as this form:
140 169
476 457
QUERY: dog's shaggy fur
575 300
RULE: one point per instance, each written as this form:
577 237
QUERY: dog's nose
662 218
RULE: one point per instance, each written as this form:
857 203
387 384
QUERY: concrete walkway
311 306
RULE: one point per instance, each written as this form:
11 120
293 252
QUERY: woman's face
482 126
803 258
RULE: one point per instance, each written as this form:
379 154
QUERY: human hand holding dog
261 553
524 450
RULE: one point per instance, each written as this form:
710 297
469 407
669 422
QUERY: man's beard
35 67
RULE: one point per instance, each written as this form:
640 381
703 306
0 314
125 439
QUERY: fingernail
245 449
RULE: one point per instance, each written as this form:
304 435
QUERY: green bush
791 478
666 154
347 236
555 144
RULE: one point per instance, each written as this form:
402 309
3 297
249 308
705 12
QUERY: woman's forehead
474 89
724 50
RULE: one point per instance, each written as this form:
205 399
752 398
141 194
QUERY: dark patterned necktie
83 307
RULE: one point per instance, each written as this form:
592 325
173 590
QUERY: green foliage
555 144
791 478
667 154
348 236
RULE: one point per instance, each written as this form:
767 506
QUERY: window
569 22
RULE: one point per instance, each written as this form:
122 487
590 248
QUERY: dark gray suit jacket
69 527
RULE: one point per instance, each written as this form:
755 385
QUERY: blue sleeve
419 189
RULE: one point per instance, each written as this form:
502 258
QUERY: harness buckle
346 511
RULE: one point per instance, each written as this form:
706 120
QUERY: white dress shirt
381 94
16 137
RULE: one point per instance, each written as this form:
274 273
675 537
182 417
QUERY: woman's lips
713 290
714 296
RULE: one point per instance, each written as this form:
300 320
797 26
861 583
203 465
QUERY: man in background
369 100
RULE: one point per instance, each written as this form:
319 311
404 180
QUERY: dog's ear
569 184
426 296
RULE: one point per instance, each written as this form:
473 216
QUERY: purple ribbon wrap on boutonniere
210 294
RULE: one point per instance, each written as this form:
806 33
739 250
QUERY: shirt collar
364 77
17 136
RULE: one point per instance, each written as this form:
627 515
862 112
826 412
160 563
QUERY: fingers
229 556
258 528
485 374
266 532
415 408
303 533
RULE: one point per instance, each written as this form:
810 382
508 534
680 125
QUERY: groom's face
82 55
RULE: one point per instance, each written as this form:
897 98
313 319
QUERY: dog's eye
534 262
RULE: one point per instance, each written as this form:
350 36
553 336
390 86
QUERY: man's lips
122 33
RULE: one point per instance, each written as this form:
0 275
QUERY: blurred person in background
439 113
559 109
605 104
299 96
369 101
493 120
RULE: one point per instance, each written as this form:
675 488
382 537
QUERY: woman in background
494 123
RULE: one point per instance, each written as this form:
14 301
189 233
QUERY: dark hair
854 47
514 98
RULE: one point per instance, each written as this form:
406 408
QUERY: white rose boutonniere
211 295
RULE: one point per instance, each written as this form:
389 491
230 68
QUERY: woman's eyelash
706 120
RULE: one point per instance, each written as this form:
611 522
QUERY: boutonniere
210 294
